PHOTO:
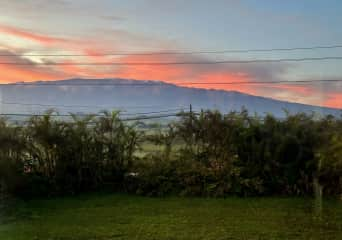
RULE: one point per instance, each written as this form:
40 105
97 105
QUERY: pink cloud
20 33
209 77
334 100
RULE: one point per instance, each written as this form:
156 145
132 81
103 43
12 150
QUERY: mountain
136 97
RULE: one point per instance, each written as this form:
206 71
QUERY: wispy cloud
113 18
113 40
29 35
17 73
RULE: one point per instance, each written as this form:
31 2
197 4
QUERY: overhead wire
173 63
192 52
166 84
95 115
120 108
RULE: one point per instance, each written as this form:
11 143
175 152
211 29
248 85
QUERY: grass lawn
130 217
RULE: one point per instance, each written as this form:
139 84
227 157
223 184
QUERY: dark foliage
210 154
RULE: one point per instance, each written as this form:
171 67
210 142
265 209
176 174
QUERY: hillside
135 97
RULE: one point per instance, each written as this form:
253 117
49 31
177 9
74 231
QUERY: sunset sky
89 28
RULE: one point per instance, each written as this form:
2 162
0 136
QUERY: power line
147 113
99 84
152 117
35 115
137 115
52 105
95 115
135 118
264 82
140 117
142 114
173 63
85 106
184 52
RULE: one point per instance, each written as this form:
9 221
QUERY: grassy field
130 217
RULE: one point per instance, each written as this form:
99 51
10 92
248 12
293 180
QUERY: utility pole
190 116
318 191
1 99
191 129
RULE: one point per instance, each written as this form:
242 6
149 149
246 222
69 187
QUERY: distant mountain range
136 96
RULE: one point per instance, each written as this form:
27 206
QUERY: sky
90 28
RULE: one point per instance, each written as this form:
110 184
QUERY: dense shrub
208 154
238 154
48 156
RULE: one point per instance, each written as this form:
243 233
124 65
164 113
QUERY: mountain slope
137 96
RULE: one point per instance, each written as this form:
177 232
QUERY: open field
131 217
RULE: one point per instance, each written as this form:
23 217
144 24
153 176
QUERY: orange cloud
217 80
334 100
185 75
20 33
298 89
14 73
164 73
208 77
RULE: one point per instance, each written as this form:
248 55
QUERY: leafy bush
208 154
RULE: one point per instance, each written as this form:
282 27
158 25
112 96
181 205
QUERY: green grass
130 217
148 148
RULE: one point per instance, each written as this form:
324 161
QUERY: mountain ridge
130 92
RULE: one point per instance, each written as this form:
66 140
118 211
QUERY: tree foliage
206 154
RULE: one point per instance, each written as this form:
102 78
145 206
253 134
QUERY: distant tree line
206 154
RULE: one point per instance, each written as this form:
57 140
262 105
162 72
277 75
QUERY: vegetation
206 154
89 217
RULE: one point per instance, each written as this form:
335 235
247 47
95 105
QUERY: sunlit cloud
206 76
24 34
334 100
